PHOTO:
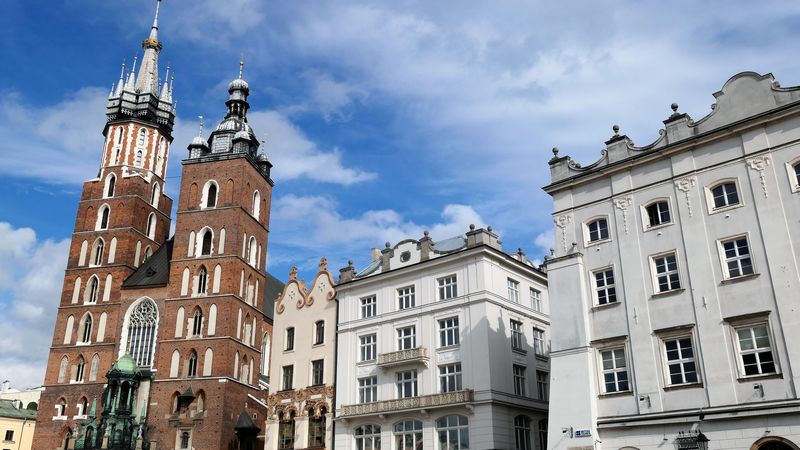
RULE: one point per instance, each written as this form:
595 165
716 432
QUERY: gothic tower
123 218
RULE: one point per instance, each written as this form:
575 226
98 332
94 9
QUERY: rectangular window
615 370
755 350
9 435
725 194
598 230
317 372
543 385
405 298
666 270
447 287
519 380
288 377
369 307
448 332
536 300
737 257
680 360
368 347
407 384
407 338
658 214
539 347
517 338
450 377
604 286
289 339
368 389
513 290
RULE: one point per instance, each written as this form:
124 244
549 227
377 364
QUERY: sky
383 119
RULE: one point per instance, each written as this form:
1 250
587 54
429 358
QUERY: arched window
208 238
95 367
408 435
247 329
243 372
202 281
90 294
140 143
156 195
542 426
86 329
453 432
88 438
796 168
597 230
210 192
319 332
724 194
368 437
138 161
98 248
79 369
83 406
265 348
111 181
191 367
256 204
184 440
62 369
522 433
286 433
61 408
197 322
141 331
201 401
103 217
148 252
252 254
151 226
316 428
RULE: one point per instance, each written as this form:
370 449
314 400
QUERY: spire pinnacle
241 64
165 86
155 19
200 134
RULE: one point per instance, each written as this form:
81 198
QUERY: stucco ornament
760 164
685 185
622 204
562 222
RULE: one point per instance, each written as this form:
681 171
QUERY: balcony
412 355
404 404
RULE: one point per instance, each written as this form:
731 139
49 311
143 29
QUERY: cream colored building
29 398
676 278
302 364
16 425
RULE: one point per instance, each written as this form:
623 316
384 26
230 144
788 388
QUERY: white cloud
332 98
313 225
58 143
31 277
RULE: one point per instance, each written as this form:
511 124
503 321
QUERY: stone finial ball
555 151
426 233
674 107
388 244
472 226
616 129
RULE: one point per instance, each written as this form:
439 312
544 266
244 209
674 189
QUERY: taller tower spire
147 81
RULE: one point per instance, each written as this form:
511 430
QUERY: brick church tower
160 343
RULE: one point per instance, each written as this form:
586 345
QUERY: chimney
5 386
482 236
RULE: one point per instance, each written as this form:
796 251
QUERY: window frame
518 339
709 191
539 342
317 372
513 290
447 287
367 347
587 231
536 299
522 433
452 436
543 385
402 337
406 297
288 339
451 377
655 275
726 274
596 289
403 383
367 389
319 332
602 371
761 321
287 377
793 171
519 379
368 304
449 332
666 362
647 224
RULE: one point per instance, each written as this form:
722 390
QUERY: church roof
245 422
125 364
272 289
154 271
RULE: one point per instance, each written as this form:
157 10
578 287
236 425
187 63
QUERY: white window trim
585 227
513 285
646 217
374 298
723 261
438 287
593 284
654 273
794 182
673 335
710 196
607 346
752 322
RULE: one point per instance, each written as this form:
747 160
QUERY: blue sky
383 119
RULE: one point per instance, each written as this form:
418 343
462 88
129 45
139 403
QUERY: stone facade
676 274
443 342
301 404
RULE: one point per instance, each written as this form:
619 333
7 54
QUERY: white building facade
443 345
676 275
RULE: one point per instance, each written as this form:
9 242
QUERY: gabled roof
154 271
245 422
8 410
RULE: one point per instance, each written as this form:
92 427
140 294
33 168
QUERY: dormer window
598 230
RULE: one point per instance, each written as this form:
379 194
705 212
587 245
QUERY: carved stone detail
685 185
760 164
622 204
403 356
562 222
